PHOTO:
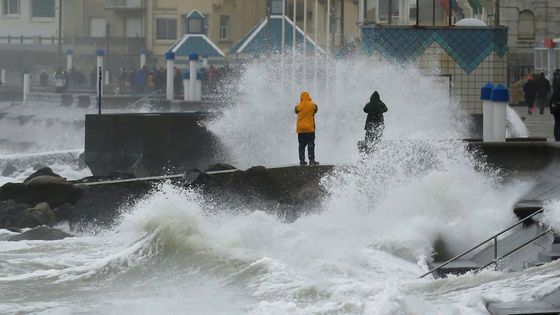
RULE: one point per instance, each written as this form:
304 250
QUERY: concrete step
549 256
523 308
457 267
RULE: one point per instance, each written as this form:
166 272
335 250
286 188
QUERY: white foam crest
409 194
552 214
259 127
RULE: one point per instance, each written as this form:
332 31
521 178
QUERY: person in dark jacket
374 121
555 105
543 91
530 92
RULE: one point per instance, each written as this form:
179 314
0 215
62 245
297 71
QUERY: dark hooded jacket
375 109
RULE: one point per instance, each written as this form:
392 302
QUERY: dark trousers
530 101
306 140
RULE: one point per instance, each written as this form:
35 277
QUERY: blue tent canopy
266 38
195 43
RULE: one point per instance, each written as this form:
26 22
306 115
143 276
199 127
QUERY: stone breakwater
47 199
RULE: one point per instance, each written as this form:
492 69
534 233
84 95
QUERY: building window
224 27
11 7
166 28
133 27
42 8
97 27
526 26
195 23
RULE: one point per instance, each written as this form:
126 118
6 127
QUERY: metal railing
133 105
495 238
124 4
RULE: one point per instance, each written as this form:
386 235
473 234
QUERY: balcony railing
79 44
124 4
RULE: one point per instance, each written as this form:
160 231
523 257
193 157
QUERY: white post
205 61
3 76
198 86
186 85
315 35
487 112
304 28
69 59
100 53
294 28
283 26
170 57
143 53
193 70
361 13
26 83
404 9
107 77
500 98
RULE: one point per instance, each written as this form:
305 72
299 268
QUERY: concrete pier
149 144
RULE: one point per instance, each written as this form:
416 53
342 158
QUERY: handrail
494 237
495 261
143 98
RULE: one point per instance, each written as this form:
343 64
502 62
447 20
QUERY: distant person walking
555 104
530 92
374 121
543 91
306 110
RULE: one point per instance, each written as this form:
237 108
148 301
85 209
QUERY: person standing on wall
555 104
306 110
543 91
530 92
374 121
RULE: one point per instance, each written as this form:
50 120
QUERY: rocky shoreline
46 199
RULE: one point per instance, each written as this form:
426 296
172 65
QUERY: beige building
224 21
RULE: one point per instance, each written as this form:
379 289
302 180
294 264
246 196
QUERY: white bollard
487 112
100 53
170 57
193 70
26 83
186 85
205 61
3 76
143 53
198 95
107 82
500 98
69 59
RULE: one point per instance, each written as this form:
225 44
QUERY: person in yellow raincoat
306 110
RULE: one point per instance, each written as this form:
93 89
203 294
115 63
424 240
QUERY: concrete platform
523 308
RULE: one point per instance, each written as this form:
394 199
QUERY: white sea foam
361 253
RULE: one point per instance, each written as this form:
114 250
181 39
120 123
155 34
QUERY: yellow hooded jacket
306 111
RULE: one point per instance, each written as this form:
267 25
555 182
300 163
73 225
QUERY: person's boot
313 162
302 163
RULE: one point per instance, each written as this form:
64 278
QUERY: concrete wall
149 144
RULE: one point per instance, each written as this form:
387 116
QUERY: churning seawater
360 253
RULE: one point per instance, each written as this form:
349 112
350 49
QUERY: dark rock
42 213
220 167
102 204
12 213
45 171
9 170
41 233
45 189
